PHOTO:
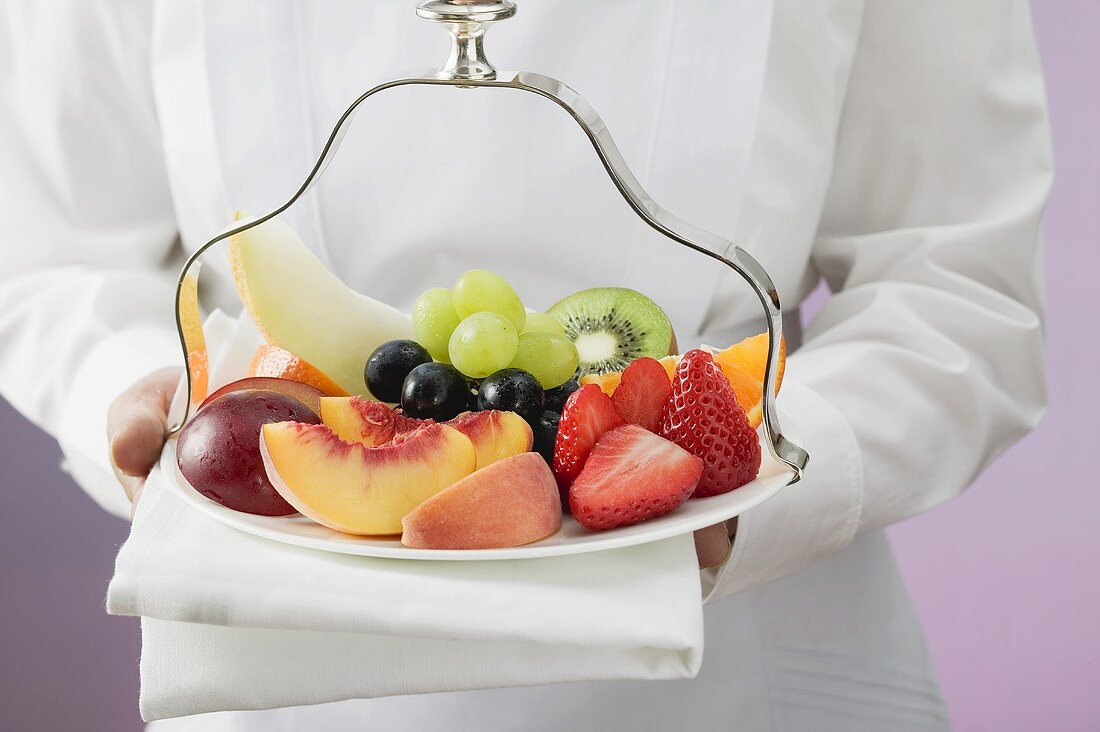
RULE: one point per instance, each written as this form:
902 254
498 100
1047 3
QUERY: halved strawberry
632 475
704 418
643 393
587 415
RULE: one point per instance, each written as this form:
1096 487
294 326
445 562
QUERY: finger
712 546
137 421
131 486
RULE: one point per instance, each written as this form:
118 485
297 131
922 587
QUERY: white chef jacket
898 150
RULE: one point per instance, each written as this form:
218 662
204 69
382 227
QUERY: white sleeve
927 361
87 229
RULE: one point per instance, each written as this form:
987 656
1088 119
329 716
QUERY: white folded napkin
234 621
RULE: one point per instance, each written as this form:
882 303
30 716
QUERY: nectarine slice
357 489
356 419
496 435
512 502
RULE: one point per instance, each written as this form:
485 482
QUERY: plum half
219 449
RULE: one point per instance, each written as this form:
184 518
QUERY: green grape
550 358
433 320
483 343
479 291
542 323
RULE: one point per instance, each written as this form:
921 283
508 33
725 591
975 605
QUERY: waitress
899 151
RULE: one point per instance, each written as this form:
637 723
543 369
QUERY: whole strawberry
704 418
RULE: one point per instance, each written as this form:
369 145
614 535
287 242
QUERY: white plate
696 513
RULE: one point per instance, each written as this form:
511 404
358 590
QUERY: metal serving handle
468 67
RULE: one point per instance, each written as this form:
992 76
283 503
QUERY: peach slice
356 489
360 420
496 435
512 502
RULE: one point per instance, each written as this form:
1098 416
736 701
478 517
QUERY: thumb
137 422
713 545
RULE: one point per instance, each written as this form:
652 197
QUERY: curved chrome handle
643 205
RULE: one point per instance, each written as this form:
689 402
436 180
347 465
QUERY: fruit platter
472 427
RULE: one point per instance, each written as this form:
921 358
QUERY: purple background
1005 578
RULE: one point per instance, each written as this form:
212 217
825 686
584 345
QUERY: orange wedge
608 382
282 364
193 338
743 364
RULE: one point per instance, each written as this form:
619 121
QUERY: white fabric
900 150
406 627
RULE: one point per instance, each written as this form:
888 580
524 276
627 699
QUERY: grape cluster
477 347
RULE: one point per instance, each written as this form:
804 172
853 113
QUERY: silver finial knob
467 21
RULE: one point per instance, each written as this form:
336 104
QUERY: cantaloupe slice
198 360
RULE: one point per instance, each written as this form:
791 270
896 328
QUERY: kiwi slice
612 326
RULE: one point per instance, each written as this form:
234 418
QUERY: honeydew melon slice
299 305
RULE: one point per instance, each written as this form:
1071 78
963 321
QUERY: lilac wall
1007 578
1004 577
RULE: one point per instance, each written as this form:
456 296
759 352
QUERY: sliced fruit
306 394
301 306
512 502
198 360
612 326
272 361
608 382
356 489
632 475
355 419
587 415
751 357
219 450
495 435
642 396
670 363
704 418
743 364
